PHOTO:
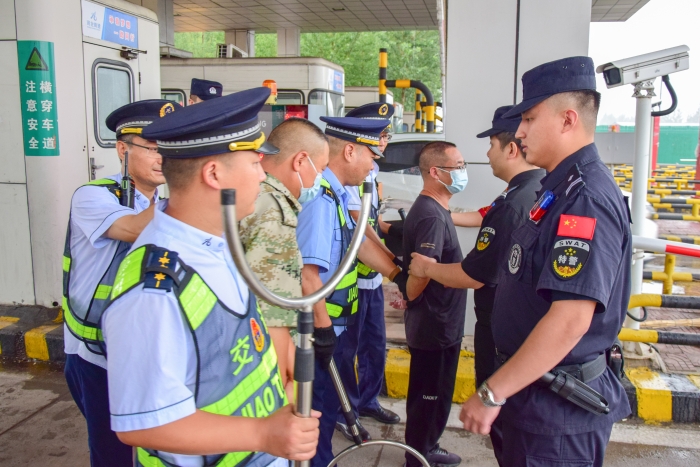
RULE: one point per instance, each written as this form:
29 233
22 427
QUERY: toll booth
66 66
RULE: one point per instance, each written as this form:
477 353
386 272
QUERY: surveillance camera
645 67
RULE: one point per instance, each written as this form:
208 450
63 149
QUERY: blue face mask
307 194
459 180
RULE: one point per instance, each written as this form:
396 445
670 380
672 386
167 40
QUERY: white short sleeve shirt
151 359
93 211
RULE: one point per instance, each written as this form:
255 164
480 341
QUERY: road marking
6 321
35 342
654 399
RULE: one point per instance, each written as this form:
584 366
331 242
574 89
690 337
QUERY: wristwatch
486 396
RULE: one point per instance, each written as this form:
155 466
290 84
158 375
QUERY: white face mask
459 180
307 194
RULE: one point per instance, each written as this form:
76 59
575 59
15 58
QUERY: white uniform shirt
151 359
355 204
93 211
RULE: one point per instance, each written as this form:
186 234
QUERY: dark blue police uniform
323 234
367 335
576 245
508 211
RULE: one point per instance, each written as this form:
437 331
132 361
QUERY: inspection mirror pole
304 355
643 92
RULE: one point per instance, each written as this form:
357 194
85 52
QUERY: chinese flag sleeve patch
576 227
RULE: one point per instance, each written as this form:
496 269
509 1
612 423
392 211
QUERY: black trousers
523 449
484 365
431 384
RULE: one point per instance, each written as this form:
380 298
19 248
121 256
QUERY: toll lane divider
31 332
654 397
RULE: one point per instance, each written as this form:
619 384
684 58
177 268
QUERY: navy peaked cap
205 89
132 118
357 130
375 110
500 124
548 79
216 126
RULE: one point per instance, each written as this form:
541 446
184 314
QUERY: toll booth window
175 95
289 97
332 101
113 89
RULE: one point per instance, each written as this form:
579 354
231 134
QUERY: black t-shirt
435 319
508 212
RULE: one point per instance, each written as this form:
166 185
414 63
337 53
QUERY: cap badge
212 90
166 109
383 110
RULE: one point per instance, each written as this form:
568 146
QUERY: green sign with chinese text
37 90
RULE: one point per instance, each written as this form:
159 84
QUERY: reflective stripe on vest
343 301
84 324
243 381
364 271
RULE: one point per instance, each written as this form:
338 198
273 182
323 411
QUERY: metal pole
643 92
304 356
383 61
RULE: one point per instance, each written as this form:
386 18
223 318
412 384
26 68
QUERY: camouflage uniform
270 242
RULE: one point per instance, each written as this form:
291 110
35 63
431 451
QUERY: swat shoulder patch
485 237
160 266
569 255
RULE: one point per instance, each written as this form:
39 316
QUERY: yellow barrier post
383 61
419 118
669 265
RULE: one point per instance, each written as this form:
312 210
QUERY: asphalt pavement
40 425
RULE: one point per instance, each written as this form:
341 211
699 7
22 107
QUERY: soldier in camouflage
269 234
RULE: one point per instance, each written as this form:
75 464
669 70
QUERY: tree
412 55
201 44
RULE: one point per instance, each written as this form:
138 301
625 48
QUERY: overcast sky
660 24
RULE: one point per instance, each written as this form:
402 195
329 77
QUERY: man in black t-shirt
481 268
435 314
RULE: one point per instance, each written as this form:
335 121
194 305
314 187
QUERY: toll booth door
110 82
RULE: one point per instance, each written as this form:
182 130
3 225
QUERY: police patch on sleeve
515 258
569 256
485 237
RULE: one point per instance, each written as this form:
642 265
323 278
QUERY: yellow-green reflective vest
364 271
84 323
342 303
237 372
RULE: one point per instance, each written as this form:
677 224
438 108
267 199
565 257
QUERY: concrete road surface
40 425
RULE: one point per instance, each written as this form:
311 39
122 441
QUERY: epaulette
160 269
328 193
573 181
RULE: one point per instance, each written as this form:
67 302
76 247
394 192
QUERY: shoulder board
160 269
509 191
328 193
573 181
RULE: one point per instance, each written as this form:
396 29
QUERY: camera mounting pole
643 92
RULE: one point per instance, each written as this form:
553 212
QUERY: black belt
569 382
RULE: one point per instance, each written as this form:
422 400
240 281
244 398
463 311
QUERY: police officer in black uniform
481 268
565 286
